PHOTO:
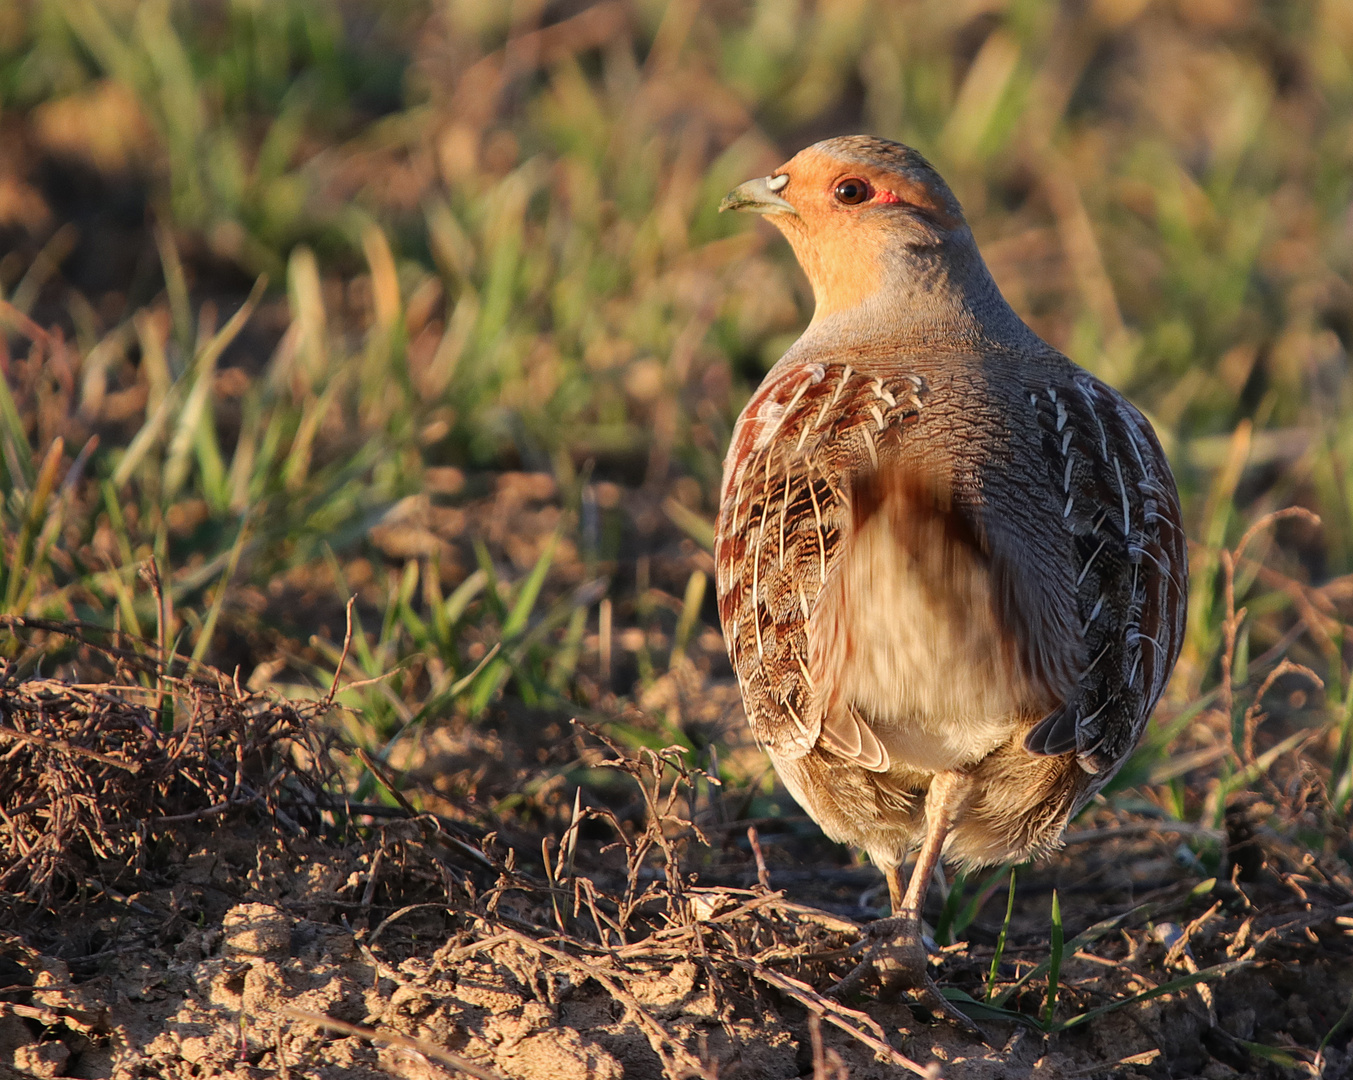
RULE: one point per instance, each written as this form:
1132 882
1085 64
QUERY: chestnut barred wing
784 520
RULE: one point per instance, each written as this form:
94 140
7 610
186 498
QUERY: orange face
841 214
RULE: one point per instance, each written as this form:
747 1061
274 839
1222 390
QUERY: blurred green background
428 302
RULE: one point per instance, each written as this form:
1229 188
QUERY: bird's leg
906 967
900 957
896 890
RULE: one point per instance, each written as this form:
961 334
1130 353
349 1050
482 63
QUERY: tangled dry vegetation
98 770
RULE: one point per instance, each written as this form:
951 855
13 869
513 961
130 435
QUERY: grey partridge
951 569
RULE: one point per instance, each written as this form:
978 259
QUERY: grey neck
930 294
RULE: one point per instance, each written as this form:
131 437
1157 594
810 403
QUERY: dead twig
1254 715
391 1038
343 656
851 1021
762 874
658 1038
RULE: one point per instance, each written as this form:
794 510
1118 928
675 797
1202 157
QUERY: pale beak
758 196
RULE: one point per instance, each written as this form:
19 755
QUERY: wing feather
1132 571
778 542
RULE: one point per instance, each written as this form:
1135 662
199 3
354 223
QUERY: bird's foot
898 960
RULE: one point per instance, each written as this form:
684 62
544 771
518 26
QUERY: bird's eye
852 191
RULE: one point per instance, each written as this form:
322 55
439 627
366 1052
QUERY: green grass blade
530 590
298 465
145 439
1086 937
697 527
985 1010
1341 769
401 612
962 917
20 567
497 673
566 659
1002 937
492 593
218 601
175 285
944 925
1271 1054
461 597
1347 1015
187 430
1174 985
690 613
18 456
1054 960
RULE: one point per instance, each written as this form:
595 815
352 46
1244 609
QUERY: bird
950 564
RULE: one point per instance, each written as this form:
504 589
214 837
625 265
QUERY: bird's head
865 217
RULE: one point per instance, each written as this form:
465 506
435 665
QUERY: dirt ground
220 911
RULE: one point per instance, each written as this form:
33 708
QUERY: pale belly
919 652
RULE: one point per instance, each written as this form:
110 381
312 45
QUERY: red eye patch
922 198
